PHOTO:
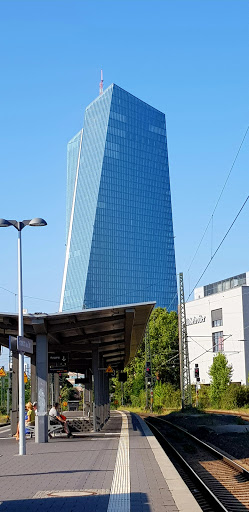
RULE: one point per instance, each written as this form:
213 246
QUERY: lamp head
37 222
4 223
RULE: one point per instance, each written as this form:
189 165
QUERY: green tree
163 330
28 391
220 373
68 392
164 341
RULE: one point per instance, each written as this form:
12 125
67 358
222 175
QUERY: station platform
120 469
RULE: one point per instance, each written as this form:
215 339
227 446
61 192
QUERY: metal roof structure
116 331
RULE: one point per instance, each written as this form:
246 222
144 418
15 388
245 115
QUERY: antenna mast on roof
101 83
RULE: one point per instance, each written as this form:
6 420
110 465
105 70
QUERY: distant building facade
120 243
218 321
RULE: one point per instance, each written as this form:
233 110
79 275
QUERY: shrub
242 396
229 397
204 397
165 395
235 396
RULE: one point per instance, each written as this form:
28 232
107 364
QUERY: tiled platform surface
55 476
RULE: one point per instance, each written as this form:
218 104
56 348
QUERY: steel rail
241 415
210 496
208 486
211 449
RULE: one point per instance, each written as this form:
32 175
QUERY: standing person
54 413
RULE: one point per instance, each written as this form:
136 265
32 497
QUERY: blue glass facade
120 245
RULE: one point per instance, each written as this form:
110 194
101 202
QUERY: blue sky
187 58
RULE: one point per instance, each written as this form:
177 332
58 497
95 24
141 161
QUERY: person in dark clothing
54 413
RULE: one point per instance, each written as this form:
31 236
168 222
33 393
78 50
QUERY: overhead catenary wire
193 304
231 353
215 252
48 300
219 198
28 296
39 298
173 300
210 350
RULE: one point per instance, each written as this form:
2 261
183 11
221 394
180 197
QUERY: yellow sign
2 373
109 369
25 378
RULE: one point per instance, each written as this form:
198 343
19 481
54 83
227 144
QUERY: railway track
223 482
241 415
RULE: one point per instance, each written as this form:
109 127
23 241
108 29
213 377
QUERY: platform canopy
116 331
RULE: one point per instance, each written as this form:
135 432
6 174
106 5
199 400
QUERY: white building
218 321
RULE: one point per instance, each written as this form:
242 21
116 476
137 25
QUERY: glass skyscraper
120 244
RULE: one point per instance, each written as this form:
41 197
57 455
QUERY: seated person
26 417
31 415
29 419
54 414
35 407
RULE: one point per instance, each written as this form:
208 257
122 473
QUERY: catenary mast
183 349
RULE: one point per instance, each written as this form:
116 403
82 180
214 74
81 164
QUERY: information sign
122 376
2 373
109 369
83 380
57 363
24 344
12 342
57 360
58 370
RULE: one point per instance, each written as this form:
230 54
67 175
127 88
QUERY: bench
54 427
30 429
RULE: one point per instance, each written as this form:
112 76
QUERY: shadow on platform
137 426
96 503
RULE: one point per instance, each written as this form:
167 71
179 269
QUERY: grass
3 418
164 411
139 410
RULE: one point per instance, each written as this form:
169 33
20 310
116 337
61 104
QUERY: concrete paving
120 469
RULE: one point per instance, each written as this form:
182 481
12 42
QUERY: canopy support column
15 380
33 376
41 420
96 387
56 388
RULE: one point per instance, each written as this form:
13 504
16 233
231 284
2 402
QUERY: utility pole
4 223
9 383
122 393
2 390
148 370
183 350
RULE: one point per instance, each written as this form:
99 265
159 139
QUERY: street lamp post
19 226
